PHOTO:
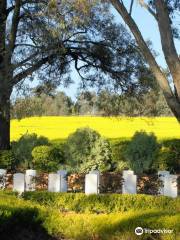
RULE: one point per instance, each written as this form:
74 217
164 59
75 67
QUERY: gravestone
92 182
129 182
169 184
54 181
63 181
30 180
18 182
2 178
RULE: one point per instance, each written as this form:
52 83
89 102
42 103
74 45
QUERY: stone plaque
54 181
130 182
18 182
2 178
63 180
92 183
30 180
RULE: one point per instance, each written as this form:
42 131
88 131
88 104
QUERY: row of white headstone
57 182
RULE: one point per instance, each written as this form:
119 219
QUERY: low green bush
86 150
169 156
25 219
47 158
142 151
22 149
103 203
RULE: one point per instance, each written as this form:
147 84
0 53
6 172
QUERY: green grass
27 219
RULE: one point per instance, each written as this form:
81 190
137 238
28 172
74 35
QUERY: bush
23 147
103 203
118 155
86 150
142 151
169 156
47 158
7 159
20 219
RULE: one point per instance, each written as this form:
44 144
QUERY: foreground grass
24 219
113 128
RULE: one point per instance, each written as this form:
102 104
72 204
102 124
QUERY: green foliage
7 159
142 151
47 158
118 155
44 221
169 156
104 203
86 150
23 147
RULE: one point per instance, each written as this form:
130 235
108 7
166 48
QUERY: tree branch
17 78
14 26
167 41
160 77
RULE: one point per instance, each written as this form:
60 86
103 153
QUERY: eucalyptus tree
43 40
165 13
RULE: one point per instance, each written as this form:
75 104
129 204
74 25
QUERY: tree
163 12
42 39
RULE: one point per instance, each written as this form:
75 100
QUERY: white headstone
2 178
63 181
162 175
129 183
92 183
30 180
169 184
18 182
54 181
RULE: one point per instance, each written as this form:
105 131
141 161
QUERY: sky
148 27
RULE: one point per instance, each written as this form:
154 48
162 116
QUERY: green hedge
107 203
24 219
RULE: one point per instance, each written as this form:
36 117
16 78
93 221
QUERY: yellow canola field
122 127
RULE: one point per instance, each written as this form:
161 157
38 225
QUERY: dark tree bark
4 118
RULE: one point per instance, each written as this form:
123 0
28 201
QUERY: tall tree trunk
4 120
171 98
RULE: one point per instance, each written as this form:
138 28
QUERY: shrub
86 150
23 147
7 159
103 203
118 155
47 158
141 152
20 219
169 156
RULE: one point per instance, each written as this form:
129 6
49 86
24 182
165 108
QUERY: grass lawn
113 128
42 219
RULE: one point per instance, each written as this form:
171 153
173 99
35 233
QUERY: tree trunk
4 118
171 98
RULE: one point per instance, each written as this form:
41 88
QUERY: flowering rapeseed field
61 127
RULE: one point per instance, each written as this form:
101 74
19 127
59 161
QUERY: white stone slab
92 183
130 182
162 175
3 178
170 186
3 171
63 181
19 182
30 180
54 181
